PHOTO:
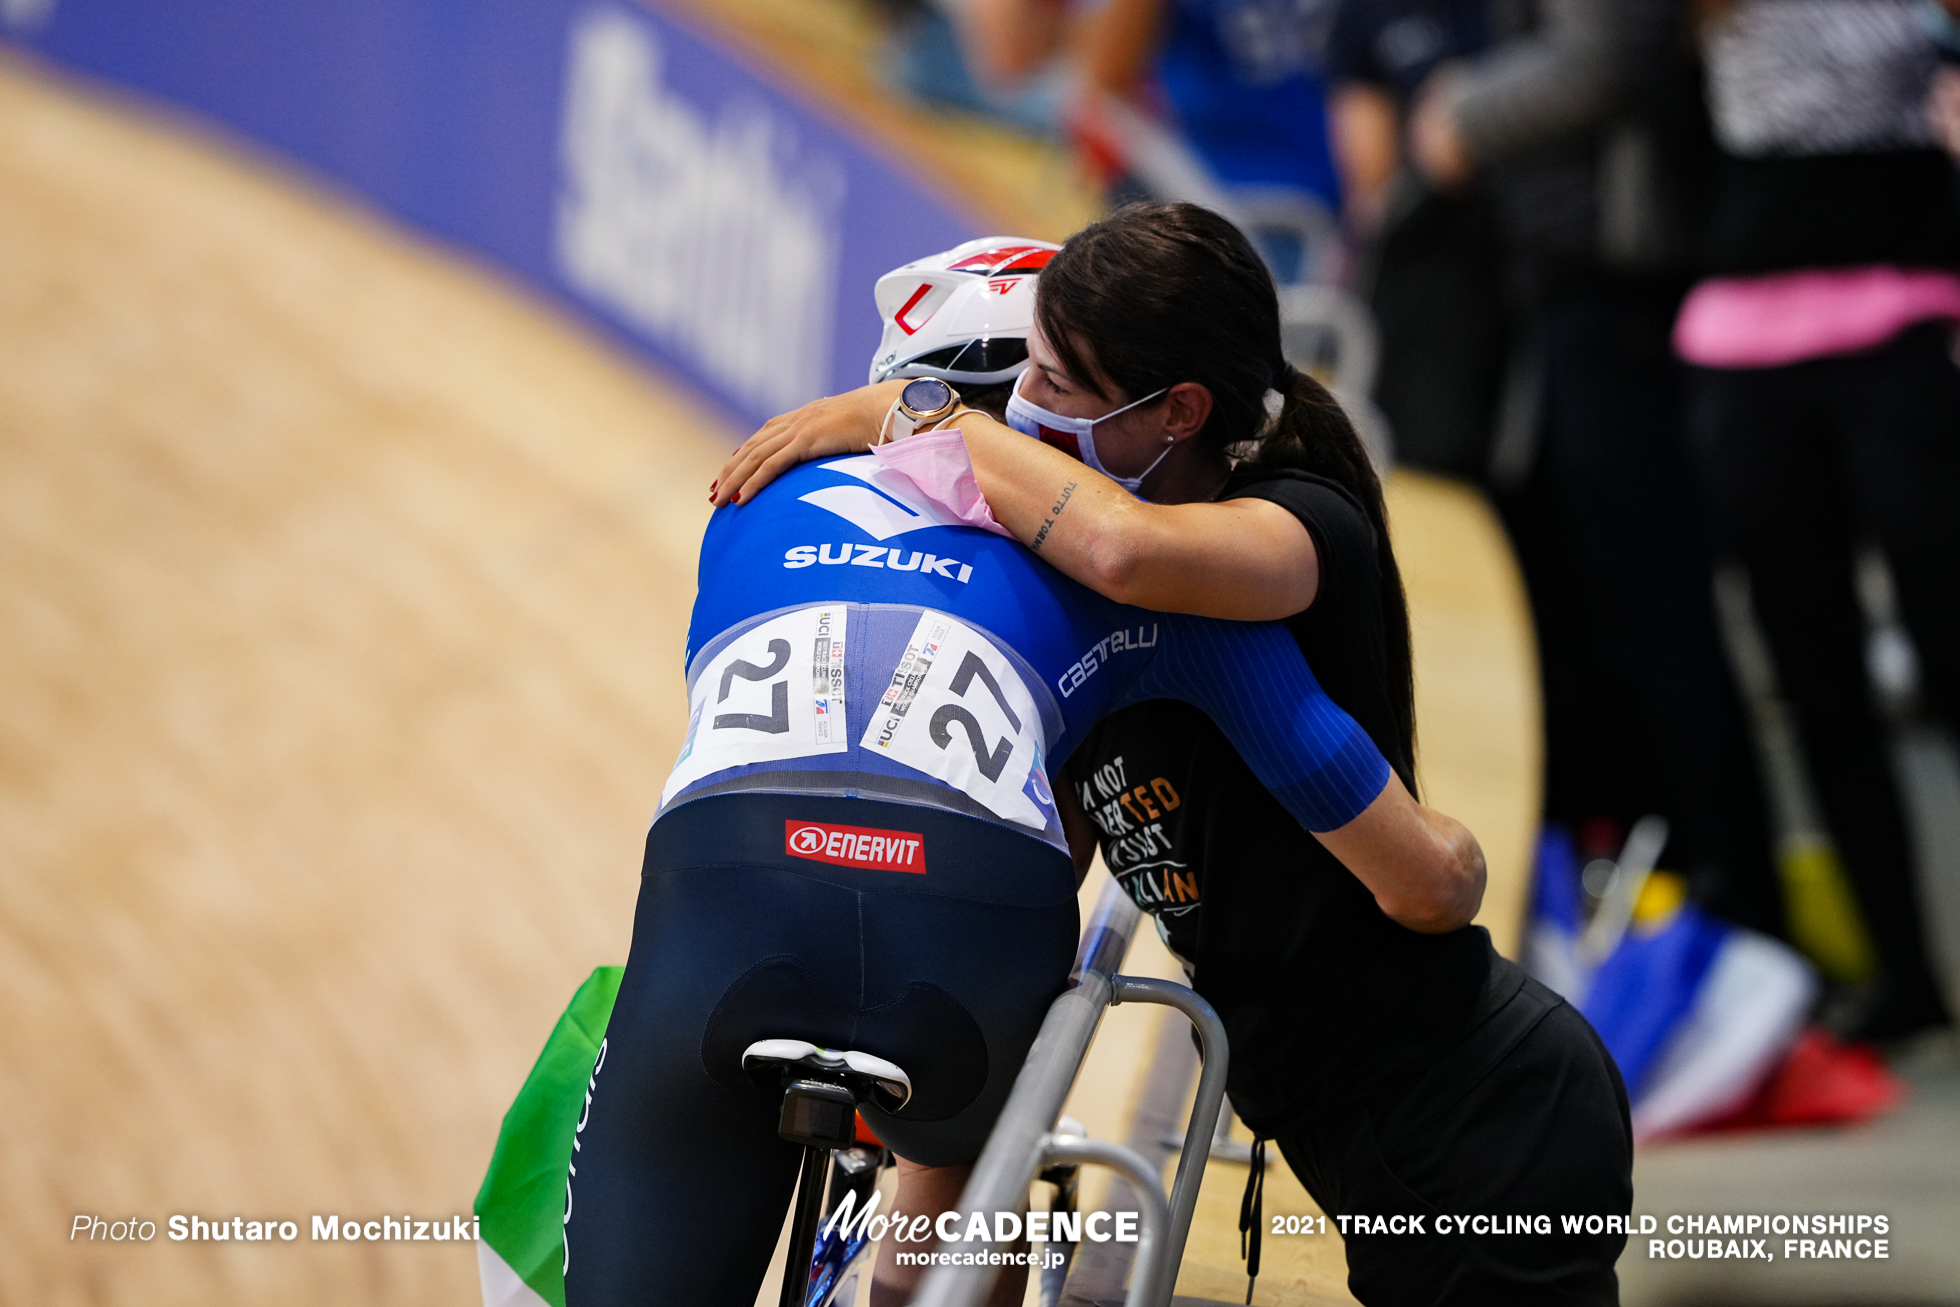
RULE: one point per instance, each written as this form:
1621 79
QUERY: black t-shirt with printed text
1325 1000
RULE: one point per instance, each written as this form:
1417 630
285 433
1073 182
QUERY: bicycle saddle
865 1075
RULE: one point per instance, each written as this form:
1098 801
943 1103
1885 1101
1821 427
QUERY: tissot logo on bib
856 846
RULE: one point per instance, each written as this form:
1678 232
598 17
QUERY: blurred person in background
1215 102
998 58
1827 400
1432 266
1584 124
1007 40
1238 80
1379 53
1944 104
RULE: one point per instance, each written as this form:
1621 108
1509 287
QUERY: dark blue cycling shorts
930 938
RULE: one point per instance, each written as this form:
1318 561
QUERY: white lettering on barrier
26 15
694 230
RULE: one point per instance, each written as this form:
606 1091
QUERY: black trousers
1526 1120
1801 462
1641 708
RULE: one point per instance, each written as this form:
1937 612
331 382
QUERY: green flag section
521 1206
501 1285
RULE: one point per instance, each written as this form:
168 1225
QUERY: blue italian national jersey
852 638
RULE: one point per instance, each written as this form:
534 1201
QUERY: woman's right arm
823 428
1425 868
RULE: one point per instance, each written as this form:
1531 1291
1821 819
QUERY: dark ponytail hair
1156 294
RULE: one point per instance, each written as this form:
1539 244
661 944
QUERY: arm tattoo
1053 513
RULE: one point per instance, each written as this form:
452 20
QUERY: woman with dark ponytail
1401 1066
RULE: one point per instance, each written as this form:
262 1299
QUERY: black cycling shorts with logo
770 916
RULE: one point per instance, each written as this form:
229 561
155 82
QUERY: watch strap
901 422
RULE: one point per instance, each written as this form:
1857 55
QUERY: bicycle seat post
821 1091
822 1116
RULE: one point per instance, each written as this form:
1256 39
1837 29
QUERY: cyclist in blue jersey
860 846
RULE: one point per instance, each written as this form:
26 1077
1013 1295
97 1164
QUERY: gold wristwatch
924 401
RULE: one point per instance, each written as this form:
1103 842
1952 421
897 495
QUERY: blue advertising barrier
609 153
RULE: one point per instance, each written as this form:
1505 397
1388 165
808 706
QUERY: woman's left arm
1242 559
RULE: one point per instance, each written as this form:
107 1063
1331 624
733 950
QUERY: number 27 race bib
954 708
776 691
957 710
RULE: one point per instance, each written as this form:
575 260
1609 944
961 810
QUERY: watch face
926 395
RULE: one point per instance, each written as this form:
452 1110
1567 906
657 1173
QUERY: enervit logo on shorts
856 846
710 228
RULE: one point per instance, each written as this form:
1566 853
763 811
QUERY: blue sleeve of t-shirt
1250 678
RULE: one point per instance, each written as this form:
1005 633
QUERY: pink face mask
1075 437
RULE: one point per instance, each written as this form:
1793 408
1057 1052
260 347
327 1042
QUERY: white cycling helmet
961 316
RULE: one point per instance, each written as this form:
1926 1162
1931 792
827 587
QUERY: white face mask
1075 437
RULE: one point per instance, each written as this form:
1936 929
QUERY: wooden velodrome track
343 592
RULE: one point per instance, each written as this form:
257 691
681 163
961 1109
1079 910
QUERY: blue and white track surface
345 586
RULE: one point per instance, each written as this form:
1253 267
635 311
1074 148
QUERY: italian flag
521 1206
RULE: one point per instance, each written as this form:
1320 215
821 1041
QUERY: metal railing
1023 1140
